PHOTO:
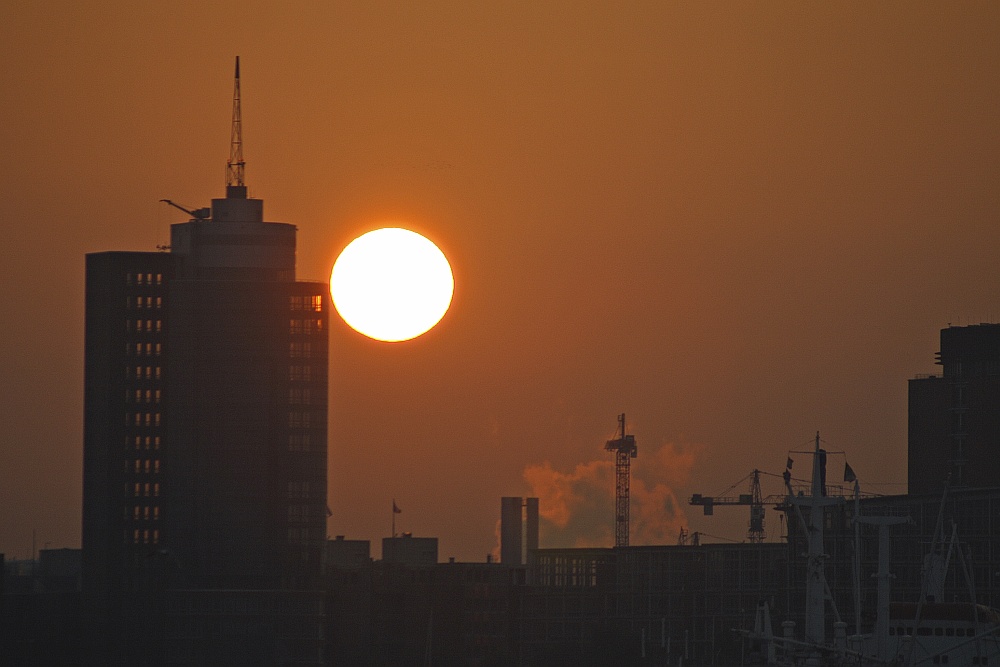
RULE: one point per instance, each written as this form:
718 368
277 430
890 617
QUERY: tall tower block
954 424
205 442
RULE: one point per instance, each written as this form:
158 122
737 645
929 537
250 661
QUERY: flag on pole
849 475
395 509
788 464
328 511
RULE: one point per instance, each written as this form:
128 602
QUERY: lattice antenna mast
625 450
755 532
235 166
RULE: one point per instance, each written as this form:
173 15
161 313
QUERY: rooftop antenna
235 185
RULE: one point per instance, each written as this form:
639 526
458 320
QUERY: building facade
205 434
954 418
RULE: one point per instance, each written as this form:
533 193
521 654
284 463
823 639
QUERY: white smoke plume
577 508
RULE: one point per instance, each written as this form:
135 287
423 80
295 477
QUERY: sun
391 284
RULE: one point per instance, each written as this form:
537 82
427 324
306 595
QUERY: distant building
205 428
954 418
408 550
442 614
518 529
347 553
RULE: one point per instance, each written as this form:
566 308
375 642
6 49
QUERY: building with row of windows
205 432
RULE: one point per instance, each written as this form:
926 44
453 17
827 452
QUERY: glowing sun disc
391 284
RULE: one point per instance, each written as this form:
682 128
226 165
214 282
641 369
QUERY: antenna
235 166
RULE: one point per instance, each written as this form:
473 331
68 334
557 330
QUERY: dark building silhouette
518 529
409 550
205 414
384 613
954 418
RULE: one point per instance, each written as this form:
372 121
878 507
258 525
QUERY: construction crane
625 450
755 531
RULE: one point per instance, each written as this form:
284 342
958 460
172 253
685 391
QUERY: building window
300 350
295 326
299 442
298 419
299 395
156 442
159 278
316 303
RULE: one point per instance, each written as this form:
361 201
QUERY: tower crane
755 530
625 449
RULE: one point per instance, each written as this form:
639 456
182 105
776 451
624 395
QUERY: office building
205 440
954 418
409 550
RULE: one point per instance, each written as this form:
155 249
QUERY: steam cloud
577 508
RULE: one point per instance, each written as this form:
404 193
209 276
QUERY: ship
906 634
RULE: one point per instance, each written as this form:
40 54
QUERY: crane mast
625 450
755 529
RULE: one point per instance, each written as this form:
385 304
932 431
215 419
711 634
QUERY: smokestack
518 529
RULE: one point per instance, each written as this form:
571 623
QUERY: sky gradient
738 223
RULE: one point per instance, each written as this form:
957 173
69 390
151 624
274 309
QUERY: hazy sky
738 223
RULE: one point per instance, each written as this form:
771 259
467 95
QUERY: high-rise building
954 418
205 428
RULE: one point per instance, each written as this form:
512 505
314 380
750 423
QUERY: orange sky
736 222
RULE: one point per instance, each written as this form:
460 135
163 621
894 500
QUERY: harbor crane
625 450
755 531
